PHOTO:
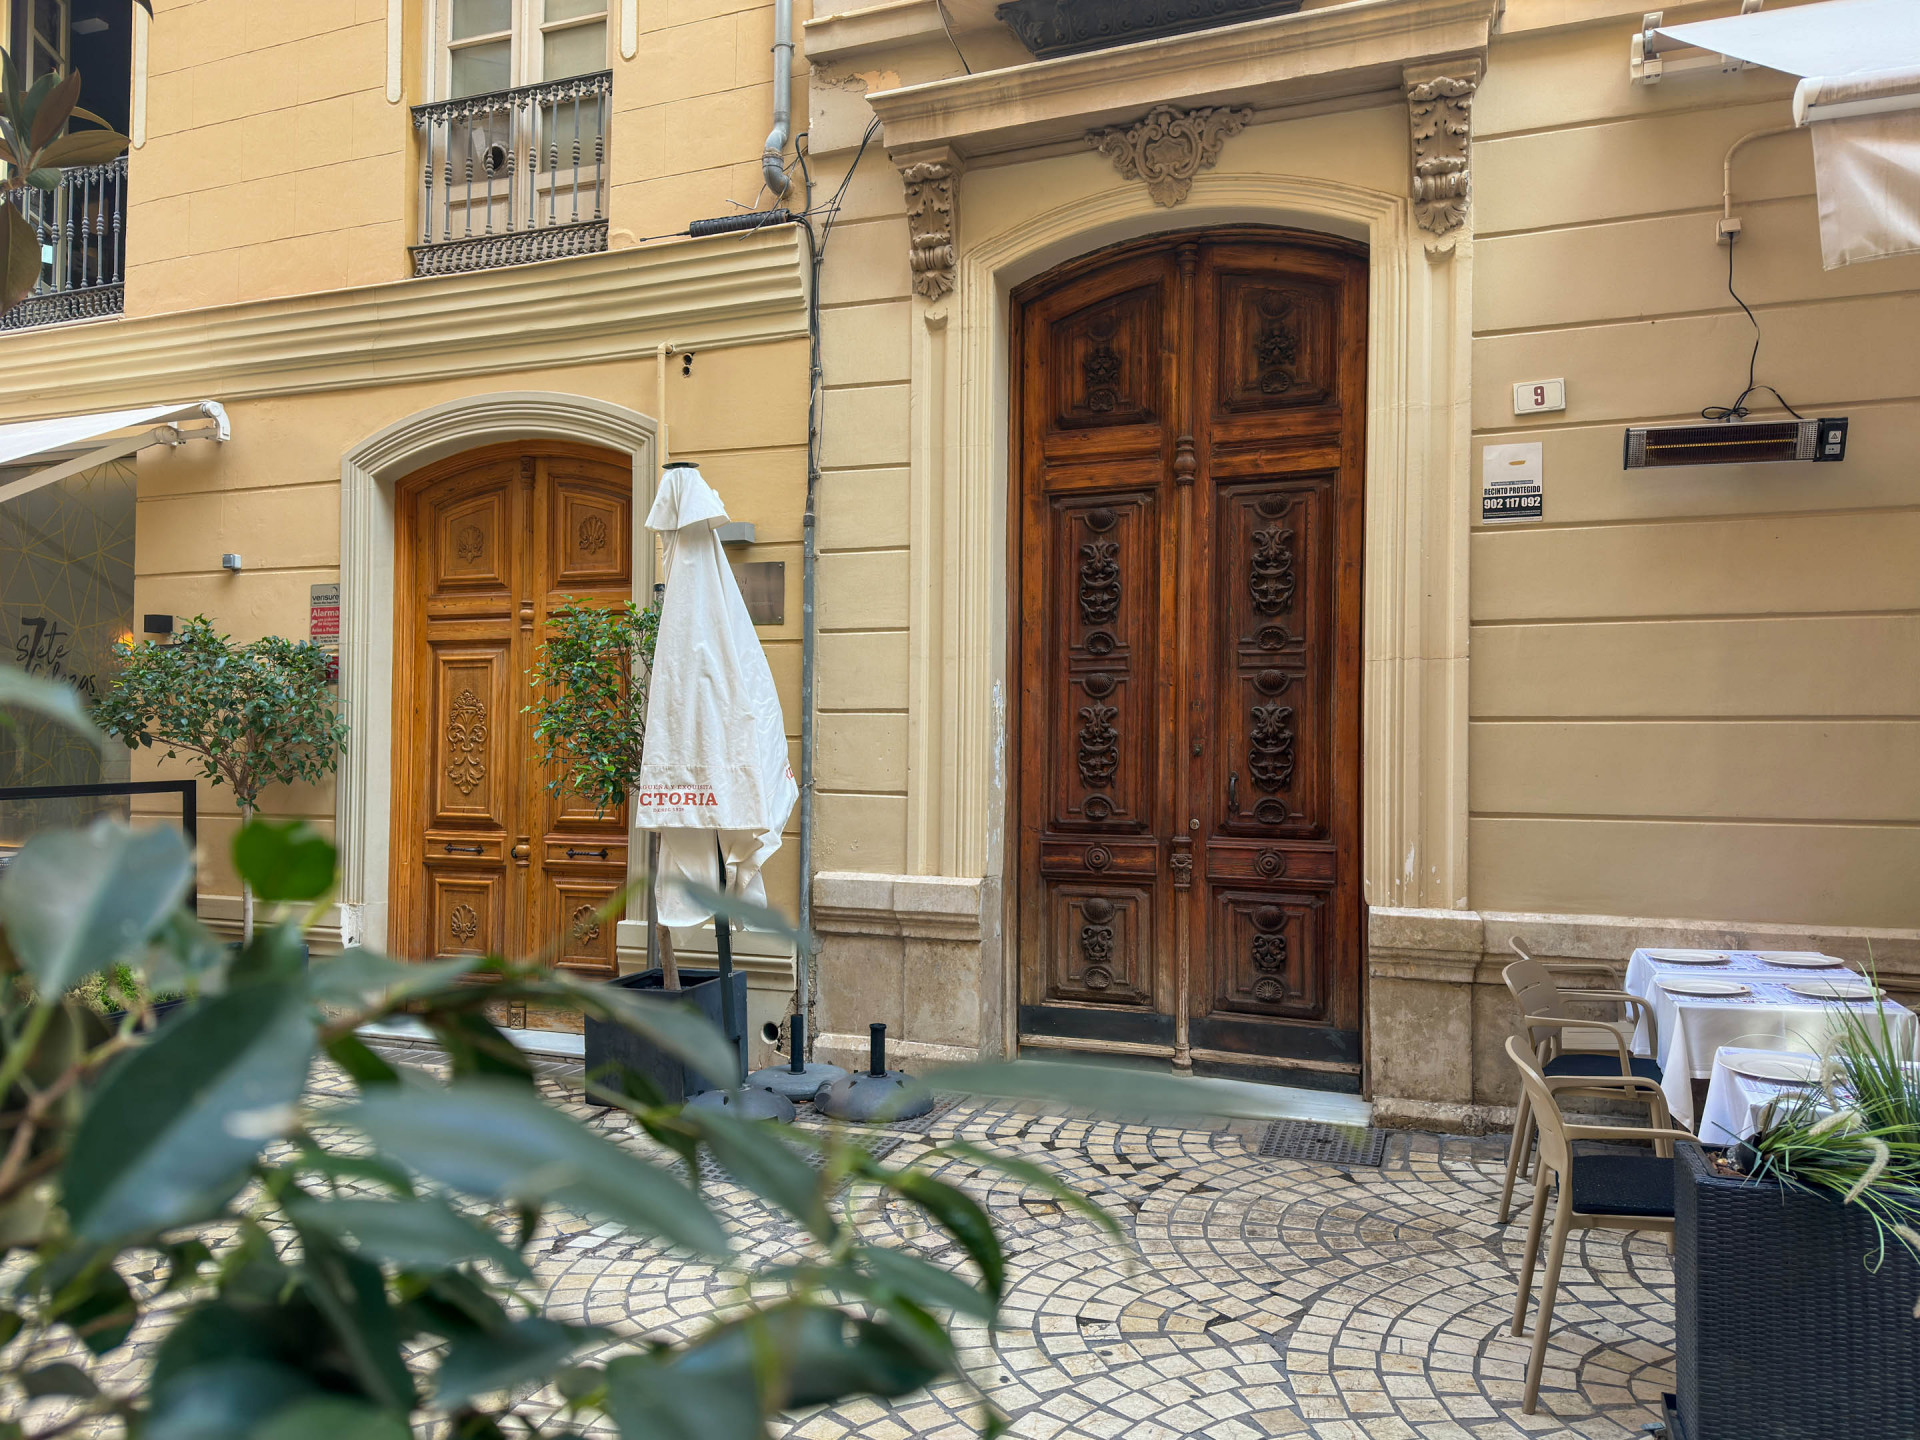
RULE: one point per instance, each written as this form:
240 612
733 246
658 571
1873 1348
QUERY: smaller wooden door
486 860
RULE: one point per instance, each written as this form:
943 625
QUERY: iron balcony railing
81 223
514 176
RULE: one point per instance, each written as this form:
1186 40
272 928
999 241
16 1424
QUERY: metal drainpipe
803 977
772 162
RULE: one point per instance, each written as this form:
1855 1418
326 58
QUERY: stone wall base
918 953
1438 1013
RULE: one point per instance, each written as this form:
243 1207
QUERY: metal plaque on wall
763 585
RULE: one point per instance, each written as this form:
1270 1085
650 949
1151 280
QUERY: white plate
1801 959
1775 1065
1689 957
1835 989
1703 987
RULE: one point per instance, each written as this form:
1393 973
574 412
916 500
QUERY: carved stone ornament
467 742
1169 147
1440 110
930 207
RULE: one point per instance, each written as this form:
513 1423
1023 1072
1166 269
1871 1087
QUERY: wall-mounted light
230 562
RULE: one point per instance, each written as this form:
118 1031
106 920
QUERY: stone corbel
1168 146
1440 112
932 183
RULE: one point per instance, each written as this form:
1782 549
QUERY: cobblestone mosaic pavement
1255 1297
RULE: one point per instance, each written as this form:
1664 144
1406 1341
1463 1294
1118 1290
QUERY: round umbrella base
751 1103
797 1086
867 1097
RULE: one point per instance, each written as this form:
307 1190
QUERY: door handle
573 854
1233 793
453 849
521 851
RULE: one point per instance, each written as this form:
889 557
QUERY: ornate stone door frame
368 472
1417 507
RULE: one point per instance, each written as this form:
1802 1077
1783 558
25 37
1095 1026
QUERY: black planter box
1780 1330
161 1010
609 1044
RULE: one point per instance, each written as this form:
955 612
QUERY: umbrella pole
729 1018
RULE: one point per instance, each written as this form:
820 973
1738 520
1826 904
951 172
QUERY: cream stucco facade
1684 702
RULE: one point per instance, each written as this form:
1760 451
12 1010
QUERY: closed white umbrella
715 782
716 754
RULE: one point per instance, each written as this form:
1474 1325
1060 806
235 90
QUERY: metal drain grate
1324 1144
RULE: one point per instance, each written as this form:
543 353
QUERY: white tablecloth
1737 1103
1689 1029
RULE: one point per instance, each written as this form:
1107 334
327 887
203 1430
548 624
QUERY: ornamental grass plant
1856 1134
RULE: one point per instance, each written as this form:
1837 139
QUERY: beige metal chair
1567 1044
1594 1192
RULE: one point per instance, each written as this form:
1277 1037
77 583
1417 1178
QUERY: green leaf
361 1062
476 1048
528 1349
650 1399
676 1026
743 913
923 1283
277 954
77 901
499 1140
173 1129
351 1294
54 109
1037 1176
186 956
84 147
222 1400
184 1262
756 1155
48 699
44 179
290 861
10 1323
823 1355
356 976
412 1234
99 1307
961 1218
59 1378
19 260
333 1417
312 1160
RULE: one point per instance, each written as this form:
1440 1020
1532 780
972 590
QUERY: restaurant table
1689 1029
1737 1104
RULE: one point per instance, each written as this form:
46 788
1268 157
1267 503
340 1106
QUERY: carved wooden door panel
485 859
1189 430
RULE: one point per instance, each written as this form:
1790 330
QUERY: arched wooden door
1188 433
485 859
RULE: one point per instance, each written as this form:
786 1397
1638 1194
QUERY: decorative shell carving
463 924
1170 146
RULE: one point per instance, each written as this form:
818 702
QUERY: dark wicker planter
1780 1330
614 1044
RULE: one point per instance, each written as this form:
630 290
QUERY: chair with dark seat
1567 1044
1603 1192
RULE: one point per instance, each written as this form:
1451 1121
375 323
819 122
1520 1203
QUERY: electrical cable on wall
1738 409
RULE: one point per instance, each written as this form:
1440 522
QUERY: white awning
73 443
1859 93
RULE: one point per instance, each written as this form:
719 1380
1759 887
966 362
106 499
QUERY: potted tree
1797 1260
254 715
590 723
